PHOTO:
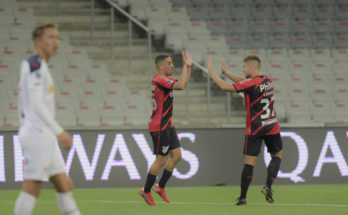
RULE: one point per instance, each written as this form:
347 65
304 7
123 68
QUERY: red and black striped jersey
259 102
162 99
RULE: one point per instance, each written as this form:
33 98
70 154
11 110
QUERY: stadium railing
132 20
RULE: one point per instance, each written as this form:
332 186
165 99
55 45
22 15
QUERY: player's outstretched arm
188 62
184 77
232 77
223 85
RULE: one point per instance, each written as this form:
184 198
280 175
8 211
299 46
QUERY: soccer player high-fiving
261 122
161 127
39 131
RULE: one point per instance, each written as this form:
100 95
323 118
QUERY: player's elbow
179 86
226 88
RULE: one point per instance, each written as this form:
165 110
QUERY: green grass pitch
290 199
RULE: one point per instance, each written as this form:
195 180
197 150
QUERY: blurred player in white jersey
39 130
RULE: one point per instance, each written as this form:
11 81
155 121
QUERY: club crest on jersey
170 81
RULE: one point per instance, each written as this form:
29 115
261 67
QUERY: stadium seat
260 25
281 25
322 40
340 54
244 2
320 54
198 13
323 67
237 41
322 112
323 11
301 40
341 41
302 25
66 115
261 12
323 26
218 13
217 27
303 11
341 11
238 26
216 42
299 54
88 116
258 40
111 116
180 3
177 14
282 11
341 94
234 54
298 113
340 112
201 2
277 55
198 27
340 68
240 12
341 26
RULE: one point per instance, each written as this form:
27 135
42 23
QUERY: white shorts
42 159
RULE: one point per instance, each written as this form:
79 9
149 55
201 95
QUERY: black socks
247 175
165 177
272 170
150 180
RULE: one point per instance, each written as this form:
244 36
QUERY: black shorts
165 141
252 144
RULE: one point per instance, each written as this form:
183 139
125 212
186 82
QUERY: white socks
25 204
67 204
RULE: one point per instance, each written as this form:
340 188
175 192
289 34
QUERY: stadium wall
210 157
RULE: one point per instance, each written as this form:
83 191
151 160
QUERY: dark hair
38 31
160 58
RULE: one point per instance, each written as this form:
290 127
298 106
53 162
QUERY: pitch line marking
193 203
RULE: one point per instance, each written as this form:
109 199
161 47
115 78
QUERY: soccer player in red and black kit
261 123
161 127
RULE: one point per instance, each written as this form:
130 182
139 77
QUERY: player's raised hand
188 58
65 140
210 65
223 68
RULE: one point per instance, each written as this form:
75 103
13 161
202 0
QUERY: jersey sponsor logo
165 149
266 86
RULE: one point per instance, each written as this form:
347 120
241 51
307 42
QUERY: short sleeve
165 82
245 86
34 76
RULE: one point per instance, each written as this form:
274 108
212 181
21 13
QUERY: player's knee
32 187
69 184
177 158
278 154
161 160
